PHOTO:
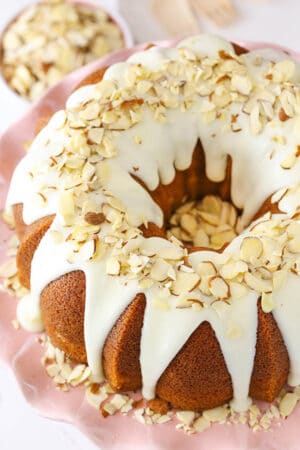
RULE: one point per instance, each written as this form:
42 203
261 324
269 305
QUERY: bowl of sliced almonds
51 38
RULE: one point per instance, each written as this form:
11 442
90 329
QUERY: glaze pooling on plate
140 118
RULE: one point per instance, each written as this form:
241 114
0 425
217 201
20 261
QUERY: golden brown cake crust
122 348
197 378
31 237
62 306
271 363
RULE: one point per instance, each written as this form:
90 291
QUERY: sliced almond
95 135
221 238
90 112
185 282
256 283
201 239
267 302
287 404
159 270
185 208
117 204
94 218
201 424
95 399
294 244
241 84
9 268
255 121
66 204
212 219
251 249
108 409
212 204
283 70
119 400
231 270
219 288
144 86
161 247
289 161
113 266
186 417
189 223
293 229
218 414
137 262
206 269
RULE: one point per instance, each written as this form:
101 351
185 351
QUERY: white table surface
275 21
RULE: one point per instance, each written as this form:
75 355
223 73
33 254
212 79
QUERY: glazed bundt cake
92 199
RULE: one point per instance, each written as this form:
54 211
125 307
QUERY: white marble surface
273 21
22 428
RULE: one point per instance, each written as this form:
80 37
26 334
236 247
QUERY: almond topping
185 282
186 417
241 84
294 244
231 270
95 135
267 302
287 404
66 204
257 284
206 269
159 270
251 249
8 269
289 161
219 288
94 218
113 266
201 424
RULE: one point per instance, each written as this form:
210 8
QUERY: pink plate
22 353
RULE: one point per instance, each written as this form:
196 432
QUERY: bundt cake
92 199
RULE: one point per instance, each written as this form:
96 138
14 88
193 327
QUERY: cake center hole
209 222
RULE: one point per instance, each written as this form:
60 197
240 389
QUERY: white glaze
170 145
29 315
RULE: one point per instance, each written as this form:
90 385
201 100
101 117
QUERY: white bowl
15 105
